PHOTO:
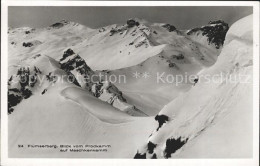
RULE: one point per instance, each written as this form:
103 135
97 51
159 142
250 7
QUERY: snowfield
139 118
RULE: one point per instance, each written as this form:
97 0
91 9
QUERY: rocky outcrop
172 145
60 24
14 98
161 119
215 32
116 30
99 88
140 156
120 29
77 68
28 44
178 56
169 27
32 43
86 78
20 85
29 31
131 23
150 147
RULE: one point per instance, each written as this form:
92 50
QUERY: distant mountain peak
132 23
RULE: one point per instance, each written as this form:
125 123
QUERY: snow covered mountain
54 94
113 44
143 45
22 85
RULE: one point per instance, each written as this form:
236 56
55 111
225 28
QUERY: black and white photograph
130 82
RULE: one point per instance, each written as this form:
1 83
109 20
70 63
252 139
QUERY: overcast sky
94 17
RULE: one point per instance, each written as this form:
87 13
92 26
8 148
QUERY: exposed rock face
32 43
66 54
178 57
150 147
169 27
132 23
120 29
14 98
115 30
140 156
172 145
154 156
59 24
215 32
82 74
141 43
75 66
28 44
76 62
100 87
161 120
20 85
29 31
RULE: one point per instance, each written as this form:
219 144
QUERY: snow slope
66 114
65 122
230 131
201 122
